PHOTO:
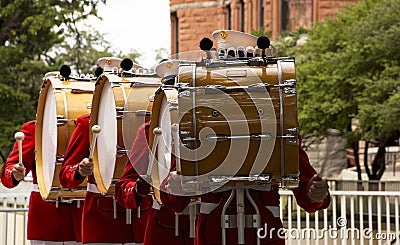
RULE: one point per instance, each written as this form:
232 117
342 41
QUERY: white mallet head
175 127
157 131
96 129
19 136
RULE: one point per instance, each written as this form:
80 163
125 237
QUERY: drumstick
19 136
96 129
157 133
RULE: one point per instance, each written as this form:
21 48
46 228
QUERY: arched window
229 16
261 13
296 13
242 16
175 31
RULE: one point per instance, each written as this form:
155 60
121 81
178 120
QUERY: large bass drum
60 103
120 106
235 123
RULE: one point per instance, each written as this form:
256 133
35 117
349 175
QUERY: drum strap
35 188
156 205
207 207
92 188
275 210
154 174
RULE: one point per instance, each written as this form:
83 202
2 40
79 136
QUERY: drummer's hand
174 184
19 171
318 188
85 167
142 187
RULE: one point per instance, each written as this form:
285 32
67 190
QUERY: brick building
192 20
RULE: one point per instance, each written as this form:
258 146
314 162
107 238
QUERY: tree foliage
349 69
28 31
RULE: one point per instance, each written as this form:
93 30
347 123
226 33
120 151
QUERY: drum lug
173 108
182 85
263 178
290 82
259 85
292 136
290 91
59 158
184 133
215 86
265 136
121 152
289 86
173 105
290 181
143 113
61 120
185 93
186 139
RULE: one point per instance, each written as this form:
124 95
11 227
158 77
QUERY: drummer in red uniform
48 223
98 222
312 193
161 227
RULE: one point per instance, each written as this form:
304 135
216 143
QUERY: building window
175 31
296 13
261 13
241 16
229 16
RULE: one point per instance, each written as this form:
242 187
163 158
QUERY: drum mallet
19 136
157 134
263 43
96 129
206 45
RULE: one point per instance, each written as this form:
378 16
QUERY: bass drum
248 116
228 126
60 104
120 106
165 114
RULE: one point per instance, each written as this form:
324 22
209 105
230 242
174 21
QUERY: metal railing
13 218
354 217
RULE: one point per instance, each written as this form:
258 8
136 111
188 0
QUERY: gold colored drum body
231 123
120 106
60 104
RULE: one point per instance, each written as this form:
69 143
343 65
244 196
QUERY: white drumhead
164 145
49 138
107 139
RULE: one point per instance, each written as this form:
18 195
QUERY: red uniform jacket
98 223
45 220
208 228
161 222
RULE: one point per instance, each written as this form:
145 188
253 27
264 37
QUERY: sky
143 25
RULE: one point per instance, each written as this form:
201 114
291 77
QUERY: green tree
81 49
261 32
349 69
161 53
28 31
